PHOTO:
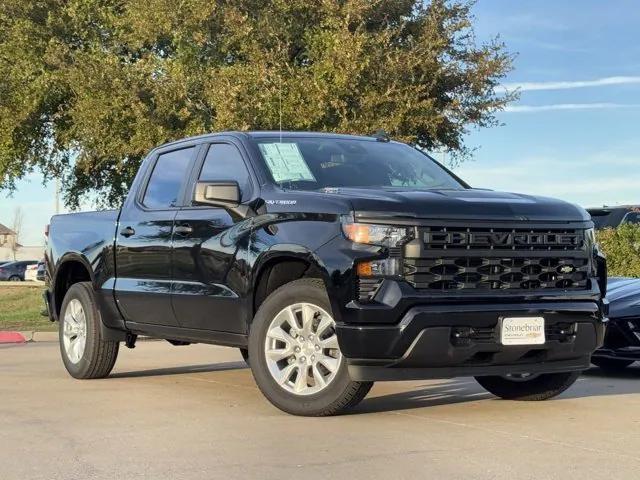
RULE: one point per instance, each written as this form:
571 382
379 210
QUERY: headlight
383 235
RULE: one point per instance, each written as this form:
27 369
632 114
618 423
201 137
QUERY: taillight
46 230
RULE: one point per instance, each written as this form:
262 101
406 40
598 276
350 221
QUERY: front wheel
294 353
85 353
528 387
15 278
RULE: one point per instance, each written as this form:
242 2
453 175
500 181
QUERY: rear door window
166 179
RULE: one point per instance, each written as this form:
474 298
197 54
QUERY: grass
20 309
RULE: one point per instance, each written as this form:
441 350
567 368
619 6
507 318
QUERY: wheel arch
275 268
72 268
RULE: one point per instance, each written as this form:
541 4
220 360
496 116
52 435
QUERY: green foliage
622 247
87 87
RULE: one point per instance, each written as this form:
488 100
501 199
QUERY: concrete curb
44 336
12 337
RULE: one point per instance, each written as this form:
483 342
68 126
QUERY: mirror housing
220 194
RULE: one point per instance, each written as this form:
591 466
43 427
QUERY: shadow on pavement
448 392
212 367
594 383
632 372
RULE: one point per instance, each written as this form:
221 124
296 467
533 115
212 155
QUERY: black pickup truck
331 261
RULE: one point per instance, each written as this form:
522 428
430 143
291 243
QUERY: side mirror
219 194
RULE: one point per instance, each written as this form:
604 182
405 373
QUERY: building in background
7 236
11 250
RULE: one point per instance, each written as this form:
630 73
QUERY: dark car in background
622 340
613 217
14 271
42 271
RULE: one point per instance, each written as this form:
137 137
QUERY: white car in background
31 272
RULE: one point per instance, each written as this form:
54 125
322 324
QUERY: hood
462 204
624 297
470 204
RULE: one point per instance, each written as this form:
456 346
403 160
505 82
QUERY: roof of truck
272 134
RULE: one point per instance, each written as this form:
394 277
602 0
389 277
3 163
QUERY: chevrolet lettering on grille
501 239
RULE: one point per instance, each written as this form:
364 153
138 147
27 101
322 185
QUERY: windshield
316 163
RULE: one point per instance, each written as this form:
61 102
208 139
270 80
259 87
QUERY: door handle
183 230
127 232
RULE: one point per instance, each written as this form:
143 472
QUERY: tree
87 87
16 226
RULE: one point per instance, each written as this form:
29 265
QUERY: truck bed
89 234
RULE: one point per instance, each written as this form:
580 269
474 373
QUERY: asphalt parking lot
194 412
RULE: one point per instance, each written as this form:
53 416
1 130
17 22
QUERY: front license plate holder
522 331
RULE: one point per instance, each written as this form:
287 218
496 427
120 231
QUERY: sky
574 133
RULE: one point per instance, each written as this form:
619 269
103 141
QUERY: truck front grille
497 258
496 273
490 260
498 238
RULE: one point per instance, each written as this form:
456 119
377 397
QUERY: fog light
389 267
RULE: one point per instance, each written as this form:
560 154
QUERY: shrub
622 247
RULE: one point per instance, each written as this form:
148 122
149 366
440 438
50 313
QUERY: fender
74 257
65 259
112 323
284 253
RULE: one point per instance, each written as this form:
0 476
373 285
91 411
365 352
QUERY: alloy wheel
74 331
301 349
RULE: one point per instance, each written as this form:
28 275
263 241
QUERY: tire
15 278
611 364
335 392
245 354
539 387
97 358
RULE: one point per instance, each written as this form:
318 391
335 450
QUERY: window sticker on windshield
286 162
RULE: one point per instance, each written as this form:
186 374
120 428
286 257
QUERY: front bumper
449 340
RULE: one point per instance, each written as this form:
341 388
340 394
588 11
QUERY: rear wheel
15 278
295 356
85 353
527 386
611 364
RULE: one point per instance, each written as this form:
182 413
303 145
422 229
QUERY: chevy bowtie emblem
566 269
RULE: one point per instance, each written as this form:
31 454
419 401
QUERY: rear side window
166 179
224 162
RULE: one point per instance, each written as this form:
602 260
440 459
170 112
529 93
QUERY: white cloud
566 106
566 85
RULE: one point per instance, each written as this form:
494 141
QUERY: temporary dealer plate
522 331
